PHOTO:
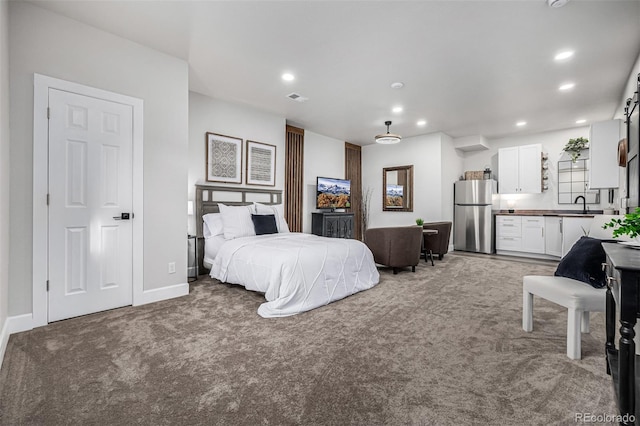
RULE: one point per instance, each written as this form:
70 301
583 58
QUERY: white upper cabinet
603 147
508 170
519 169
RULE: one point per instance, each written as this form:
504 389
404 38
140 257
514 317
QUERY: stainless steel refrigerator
473 202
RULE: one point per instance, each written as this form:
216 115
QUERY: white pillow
278 211
237 221
213 226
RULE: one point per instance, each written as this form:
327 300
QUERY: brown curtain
353 172
294 177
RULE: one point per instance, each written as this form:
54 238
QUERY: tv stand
332 224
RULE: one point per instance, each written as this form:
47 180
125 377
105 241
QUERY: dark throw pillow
264 224
584 262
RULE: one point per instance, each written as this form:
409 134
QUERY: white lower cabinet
539 235
573 228
533 234
509 233
553 235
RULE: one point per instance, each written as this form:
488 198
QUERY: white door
553 236
533 234
574 228
90 186
508 170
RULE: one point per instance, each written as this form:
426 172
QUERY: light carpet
443 345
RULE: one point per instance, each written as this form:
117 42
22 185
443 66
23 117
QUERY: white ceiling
469 67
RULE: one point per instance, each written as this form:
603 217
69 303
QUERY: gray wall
4 162
212 115
49 44
425 154
323 156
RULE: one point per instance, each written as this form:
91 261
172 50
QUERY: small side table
191 277
426 233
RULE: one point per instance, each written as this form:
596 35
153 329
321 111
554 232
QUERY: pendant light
388 138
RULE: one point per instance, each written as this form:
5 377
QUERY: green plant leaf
629 225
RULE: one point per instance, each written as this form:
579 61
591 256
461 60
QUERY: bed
296 272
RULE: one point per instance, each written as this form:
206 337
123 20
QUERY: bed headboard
208 197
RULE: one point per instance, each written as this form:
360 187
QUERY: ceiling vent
557 3
297 97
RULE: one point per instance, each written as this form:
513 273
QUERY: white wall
630 88
4 166
552 143
46 43
212 115
323 156
452 169
425 154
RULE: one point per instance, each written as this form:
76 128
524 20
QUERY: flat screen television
333 193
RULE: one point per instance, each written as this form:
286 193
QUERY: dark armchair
396 247
438 243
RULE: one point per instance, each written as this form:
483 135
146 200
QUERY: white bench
578 297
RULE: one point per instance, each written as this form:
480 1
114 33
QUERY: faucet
584 203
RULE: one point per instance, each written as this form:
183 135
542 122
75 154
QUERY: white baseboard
164 293
4 339
14 324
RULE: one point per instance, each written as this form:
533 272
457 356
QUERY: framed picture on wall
261 164
224 158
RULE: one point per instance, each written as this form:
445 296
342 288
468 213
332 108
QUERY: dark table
623 288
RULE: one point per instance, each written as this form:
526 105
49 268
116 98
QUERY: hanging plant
574 146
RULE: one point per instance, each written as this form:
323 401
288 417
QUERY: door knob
124 216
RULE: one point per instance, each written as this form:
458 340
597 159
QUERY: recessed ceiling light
566 54
397 109
521 123
397 85
567 86
422 122
288 77
581 121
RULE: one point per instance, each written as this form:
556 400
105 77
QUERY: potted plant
575 146
629 225
419 222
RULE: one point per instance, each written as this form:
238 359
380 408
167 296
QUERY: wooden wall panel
353 172
294 177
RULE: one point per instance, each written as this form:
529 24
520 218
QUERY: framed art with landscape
224 158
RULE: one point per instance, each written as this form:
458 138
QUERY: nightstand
192 258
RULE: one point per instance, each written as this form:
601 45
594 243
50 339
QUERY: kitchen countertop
563 213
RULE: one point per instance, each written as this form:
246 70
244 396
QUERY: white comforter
296 272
